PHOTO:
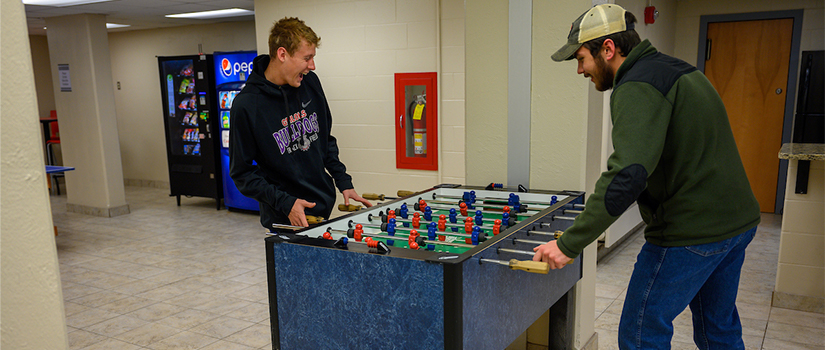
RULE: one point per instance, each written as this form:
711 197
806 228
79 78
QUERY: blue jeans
667 279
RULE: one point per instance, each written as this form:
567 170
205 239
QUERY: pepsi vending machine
189 118
231 71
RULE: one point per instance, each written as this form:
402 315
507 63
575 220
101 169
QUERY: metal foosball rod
523 252
571 211
381 197
556 234
377 197
513 264
402 193
440 205
379 246
384 219
419 239
486 206
408 229
527 241
558 217
501 200
312 220
515 251
514 216
471 213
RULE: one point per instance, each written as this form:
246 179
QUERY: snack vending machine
188 92
231 71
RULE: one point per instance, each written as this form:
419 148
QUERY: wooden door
748 66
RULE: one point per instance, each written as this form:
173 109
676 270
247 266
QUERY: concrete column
84 98
32 302
558 121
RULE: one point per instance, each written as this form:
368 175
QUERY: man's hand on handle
297 216
350 193
550 253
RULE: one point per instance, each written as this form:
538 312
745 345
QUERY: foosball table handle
351 207
525 265
530 266
312 220
373 196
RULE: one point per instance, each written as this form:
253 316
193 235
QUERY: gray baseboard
798 302
104 212
146 183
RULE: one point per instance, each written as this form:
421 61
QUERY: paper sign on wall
65 80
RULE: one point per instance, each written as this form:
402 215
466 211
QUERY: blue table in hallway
54 169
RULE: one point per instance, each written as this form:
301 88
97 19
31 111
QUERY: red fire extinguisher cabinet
416 123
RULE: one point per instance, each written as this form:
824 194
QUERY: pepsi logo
229 69
226 67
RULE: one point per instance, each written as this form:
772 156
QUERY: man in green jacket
675 155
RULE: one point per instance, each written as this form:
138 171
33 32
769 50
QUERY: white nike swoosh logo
304 105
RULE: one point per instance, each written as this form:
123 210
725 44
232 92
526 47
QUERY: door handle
707 49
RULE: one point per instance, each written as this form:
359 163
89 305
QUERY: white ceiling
140 14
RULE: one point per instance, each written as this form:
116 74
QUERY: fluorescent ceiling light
113 25
61 3
213 14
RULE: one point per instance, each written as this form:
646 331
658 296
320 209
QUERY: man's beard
604 77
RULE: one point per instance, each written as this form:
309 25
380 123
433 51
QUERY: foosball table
445 268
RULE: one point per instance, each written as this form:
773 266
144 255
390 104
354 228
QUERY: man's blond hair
288 33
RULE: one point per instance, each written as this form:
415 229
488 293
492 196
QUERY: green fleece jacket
674 154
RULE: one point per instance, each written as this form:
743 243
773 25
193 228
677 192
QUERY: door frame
793 69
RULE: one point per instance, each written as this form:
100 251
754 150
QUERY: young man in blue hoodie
674 154
281 151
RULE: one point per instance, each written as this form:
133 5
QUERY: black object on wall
809 121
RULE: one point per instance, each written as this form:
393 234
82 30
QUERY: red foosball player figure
442 223
421 205
462 208
411 239
468 229
359 230
496 227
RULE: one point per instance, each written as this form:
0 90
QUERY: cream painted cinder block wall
486 23
559 118
363 44
32 300
41 67
42 74
88 123
137 101
800 274
559 102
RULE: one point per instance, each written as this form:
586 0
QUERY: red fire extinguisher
418 111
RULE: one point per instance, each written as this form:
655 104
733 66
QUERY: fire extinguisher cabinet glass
416 126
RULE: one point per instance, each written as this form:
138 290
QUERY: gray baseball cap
597 22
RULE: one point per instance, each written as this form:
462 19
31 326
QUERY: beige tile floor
763 327
192 277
